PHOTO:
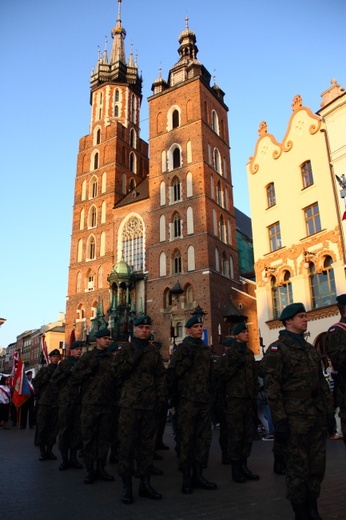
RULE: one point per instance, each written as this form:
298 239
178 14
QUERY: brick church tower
158 237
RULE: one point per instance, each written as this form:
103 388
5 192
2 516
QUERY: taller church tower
112 159
158 239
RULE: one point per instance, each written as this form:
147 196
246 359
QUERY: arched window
175 119
103 212
116 95
191 263
100 278
96 161
281 294
177 264
98 136
176 158
176 226
189 296
217 260
91 248
163 264
189 221
132 162
215 122
92 220
103 244
104 182
221 229
80 250
322 284
132 138
79 282
116 111
162 193
133 243
93 187
167 299
84 189
81 219
162 228
224 265
217 162
176 190
189 185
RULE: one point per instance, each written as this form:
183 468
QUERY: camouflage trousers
306 457
137 436
240 417
70 434
47 425
193 433
96 425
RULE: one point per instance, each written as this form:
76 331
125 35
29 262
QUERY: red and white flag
21 390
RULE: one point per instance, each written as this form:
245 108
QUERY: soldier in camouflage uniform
92 376
47 419
238 372
302 408
139 372
70 436
189 382
336 350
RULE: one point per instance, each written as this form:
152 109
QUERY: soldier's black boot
247 472
279 466
300 512
73 461
199 481
146 490
43 453
186 487
90 476
126 496
50 454
237 474
312 508
64 464
101 473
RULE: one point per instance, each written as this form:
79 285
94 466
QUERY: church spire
118 35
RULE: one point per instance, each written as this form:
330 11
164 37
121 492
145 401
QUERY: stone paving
40 491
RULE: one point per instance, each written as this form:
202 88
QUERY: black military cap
237 329
142 320
76 344
194 319
54 352
291 310
102 333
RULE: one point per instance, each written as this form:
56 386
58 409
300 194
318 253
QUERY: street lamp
198 311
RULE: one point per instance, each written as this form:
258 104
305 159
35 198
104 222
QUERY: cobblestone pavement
42 492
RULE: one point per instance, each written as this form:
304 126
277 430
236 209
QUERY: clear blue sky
262 53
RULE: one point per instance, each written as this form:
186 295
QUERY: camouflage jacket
93 378
139 371
46 392
336 346
237 370
293 379
190 372
61 378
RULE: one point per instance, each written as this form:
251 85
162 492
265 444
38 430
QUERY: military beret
102 333
194 319
341 299
237 329
291 310
142 320
113 347
54 352
228 342
76 344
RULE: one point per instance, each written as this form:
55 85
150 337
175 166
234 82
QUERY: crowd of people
114 402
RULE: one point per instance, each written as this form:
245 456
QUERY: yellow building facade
297 206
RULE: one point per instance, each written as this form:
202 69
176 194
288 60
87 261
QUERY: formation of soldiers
111 400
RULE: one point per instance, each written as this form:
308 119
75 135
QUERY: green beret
76 344
291 310
237 329
228 342
142 320
194 319
54 352
341 299
113 347
102 333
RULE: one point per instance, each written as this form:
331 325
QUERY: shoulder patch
332 329
274 348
